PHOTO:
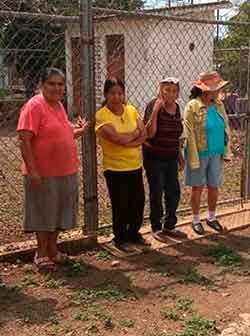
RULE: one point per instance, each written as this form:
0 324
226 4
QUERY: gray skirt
51 207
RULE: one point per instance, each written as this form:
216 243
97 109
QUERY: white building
145 47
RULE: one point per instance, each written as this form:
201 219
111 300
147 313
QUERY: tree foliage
234 63
38 44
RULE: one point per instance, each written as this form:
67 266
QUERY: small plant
224 256
198 326
28 268
75 269
184 304
82 316
99 313
193 276
104 292
103 255
167 294
29 280
54 320
4 93
170 314
27 318
93 313
127 323
53 283
92 329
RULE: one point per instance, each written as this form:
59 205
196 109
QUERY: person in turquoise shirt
207 136
215 130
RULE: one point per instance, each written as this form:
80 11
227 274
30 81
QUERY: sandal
40 261
215 225
198 228
60 258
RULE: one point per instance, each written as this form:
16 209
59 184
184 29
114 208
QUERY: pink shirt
53 144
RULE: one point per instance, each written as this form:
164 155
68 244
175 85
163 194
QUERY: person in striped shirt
162 156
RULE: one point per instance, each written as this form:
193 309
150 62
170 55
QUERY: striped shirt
166 142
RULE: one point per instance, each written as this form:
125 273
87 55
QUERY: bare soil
195 288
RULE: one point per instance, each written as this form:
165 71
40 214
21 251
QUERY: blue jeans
162 178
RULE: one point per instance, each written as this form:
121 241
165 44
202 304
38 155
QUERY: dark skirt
51 207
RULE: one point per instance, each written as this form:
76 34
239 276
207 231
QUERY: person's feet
174 233
159 236
40 261
140 240
123 246
60 258
215 225
198 228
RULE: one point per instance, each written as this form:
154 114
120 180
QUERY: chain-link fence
139 47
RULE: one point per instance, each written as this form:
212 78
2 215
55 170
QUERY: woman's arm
108 132
141 137
138 141
81 127
192 150
25 138
151 125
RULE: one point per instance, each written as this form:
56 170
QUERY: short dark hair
111 82
195 92
48 72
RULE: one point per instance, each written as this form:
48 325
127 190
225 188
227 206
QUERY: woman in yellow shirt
121 133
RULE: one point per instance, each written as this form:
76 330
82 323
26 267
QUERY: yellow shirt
117 157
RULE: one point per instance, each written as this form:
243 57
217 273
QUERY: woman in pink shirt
50 166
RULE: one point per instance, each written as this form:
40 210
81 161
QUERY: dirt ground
195 288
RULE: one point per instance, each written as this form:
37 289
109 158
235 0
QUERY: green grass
28 268
199 326
170 314
104 292
127 323
53 283
29 280
93 313
103 255
224 256
75 269
182 306
193 276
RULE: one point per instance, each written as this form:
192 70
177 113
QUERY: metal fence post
89 162
247 142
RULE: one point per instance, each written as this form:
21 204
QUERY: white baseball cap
170 80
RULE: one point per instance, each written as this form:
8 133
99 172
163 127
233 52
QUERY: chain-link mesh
143 49
140 48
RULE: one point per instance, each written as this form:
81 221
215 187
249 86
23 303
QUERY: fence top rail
208 5
176 18
118 14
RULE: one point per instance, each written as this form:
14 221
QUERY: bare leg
52 247
196 199
212 197
42 244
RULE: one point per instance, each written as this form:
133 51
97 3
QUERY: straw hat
210 81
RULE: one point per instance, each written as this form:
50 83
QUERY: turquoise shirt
215 129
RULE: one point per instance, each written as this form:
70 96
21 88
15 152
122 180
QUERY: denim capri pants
210 172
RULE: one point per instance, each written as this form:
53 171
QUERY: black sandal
215 225
198 228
